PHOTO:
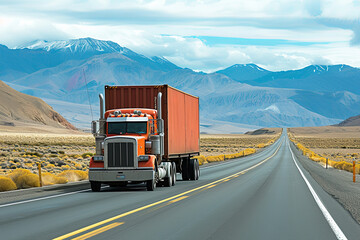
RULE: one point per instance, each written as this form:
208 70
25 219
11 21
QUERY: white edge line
336 229
42 198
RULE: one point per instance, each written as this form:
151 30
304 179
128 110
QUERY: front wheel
151 185
173 165
95 186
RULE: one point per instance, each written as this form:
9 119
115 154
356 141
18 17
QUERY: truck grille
121 154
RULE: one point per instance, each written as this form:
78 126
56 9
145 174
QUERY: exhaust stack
160 125
99 138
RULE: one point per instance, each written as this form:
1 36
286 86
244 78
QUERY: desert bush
7 184
87 155
50 179
201 159
36 154
342 165
23 178
74 175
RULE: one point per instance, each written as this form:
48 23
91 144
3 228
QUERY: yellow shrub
23 178
49 179
74 175
261 145
15 174
28 181
50 165
344 166
78 166
201 159
215 158
6 184
65 167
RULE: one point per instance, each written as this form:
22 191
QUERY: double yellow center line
172 199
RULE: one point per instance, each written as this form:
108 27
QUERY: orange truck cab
130 147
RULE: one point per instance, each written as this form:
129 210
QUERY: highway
267 195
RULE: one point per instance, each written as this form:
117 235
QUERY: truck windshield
127 127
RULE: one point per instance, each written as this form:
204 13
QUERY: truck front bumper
121 175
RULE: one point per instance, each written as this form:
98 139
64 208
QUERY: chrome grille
120 154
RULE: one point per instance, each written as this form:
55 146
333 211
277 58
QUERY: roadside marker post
39 168
354 176
327 161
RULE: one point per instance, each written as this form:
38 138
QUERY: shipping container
180 114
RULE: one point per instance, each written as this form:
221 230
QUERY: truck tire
174 171
151 185
169 180
192 169
197 170
95 186
185 169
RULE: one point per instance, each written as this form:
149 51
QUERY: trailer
146 134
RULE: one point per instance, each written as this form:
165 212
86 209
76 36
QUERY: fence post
354 176
327 162
39 168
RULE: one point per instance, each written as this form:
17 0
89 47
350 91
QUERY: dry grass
34 139
203 160
65 157
314 149
211 145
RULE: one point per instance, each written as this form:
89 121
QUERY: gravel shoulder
335 182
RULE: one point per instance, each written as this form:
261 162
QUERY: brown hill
352 121
17 108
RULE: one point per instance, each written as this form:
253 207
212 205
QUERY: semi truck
146 134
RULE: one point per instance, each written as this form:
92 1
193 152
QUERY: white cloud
160 27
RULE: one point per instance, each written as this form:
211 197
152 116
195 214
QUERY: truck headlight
143 158
98 158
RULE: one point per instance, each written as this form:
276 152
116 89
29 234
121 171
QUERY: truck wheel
185 169
197 170
95 186
192 169
174 171
151 185
169 180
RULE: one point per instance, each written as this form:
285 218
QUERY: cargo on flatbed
146 134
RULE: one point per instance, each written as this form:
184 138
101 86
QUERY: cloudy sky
199 34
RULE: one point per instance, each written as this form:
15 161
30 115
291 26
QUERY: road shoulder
335 182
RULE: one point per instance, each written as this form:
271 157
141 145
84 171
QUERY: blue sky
198 34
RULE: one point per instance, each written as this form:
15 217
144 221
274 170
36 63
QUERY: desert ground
216 144
333 142
58 151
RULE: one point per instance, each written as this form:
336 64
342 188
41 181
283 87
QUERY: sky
201 35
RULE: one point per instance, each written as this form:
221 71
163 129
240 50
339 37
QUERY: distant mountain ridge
352 121
231 97
314 77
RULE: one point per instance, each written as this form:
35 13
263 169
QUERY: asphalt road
262 196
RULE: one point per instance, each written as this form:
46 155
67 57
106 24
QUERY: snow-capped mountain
80 45
62 72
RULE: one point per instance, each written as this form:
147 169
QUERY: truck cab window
127 127
117 128
136 127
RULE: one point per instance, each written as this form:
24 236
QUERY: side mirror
94 128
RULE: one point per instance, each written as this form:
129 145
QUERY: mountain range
70 74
